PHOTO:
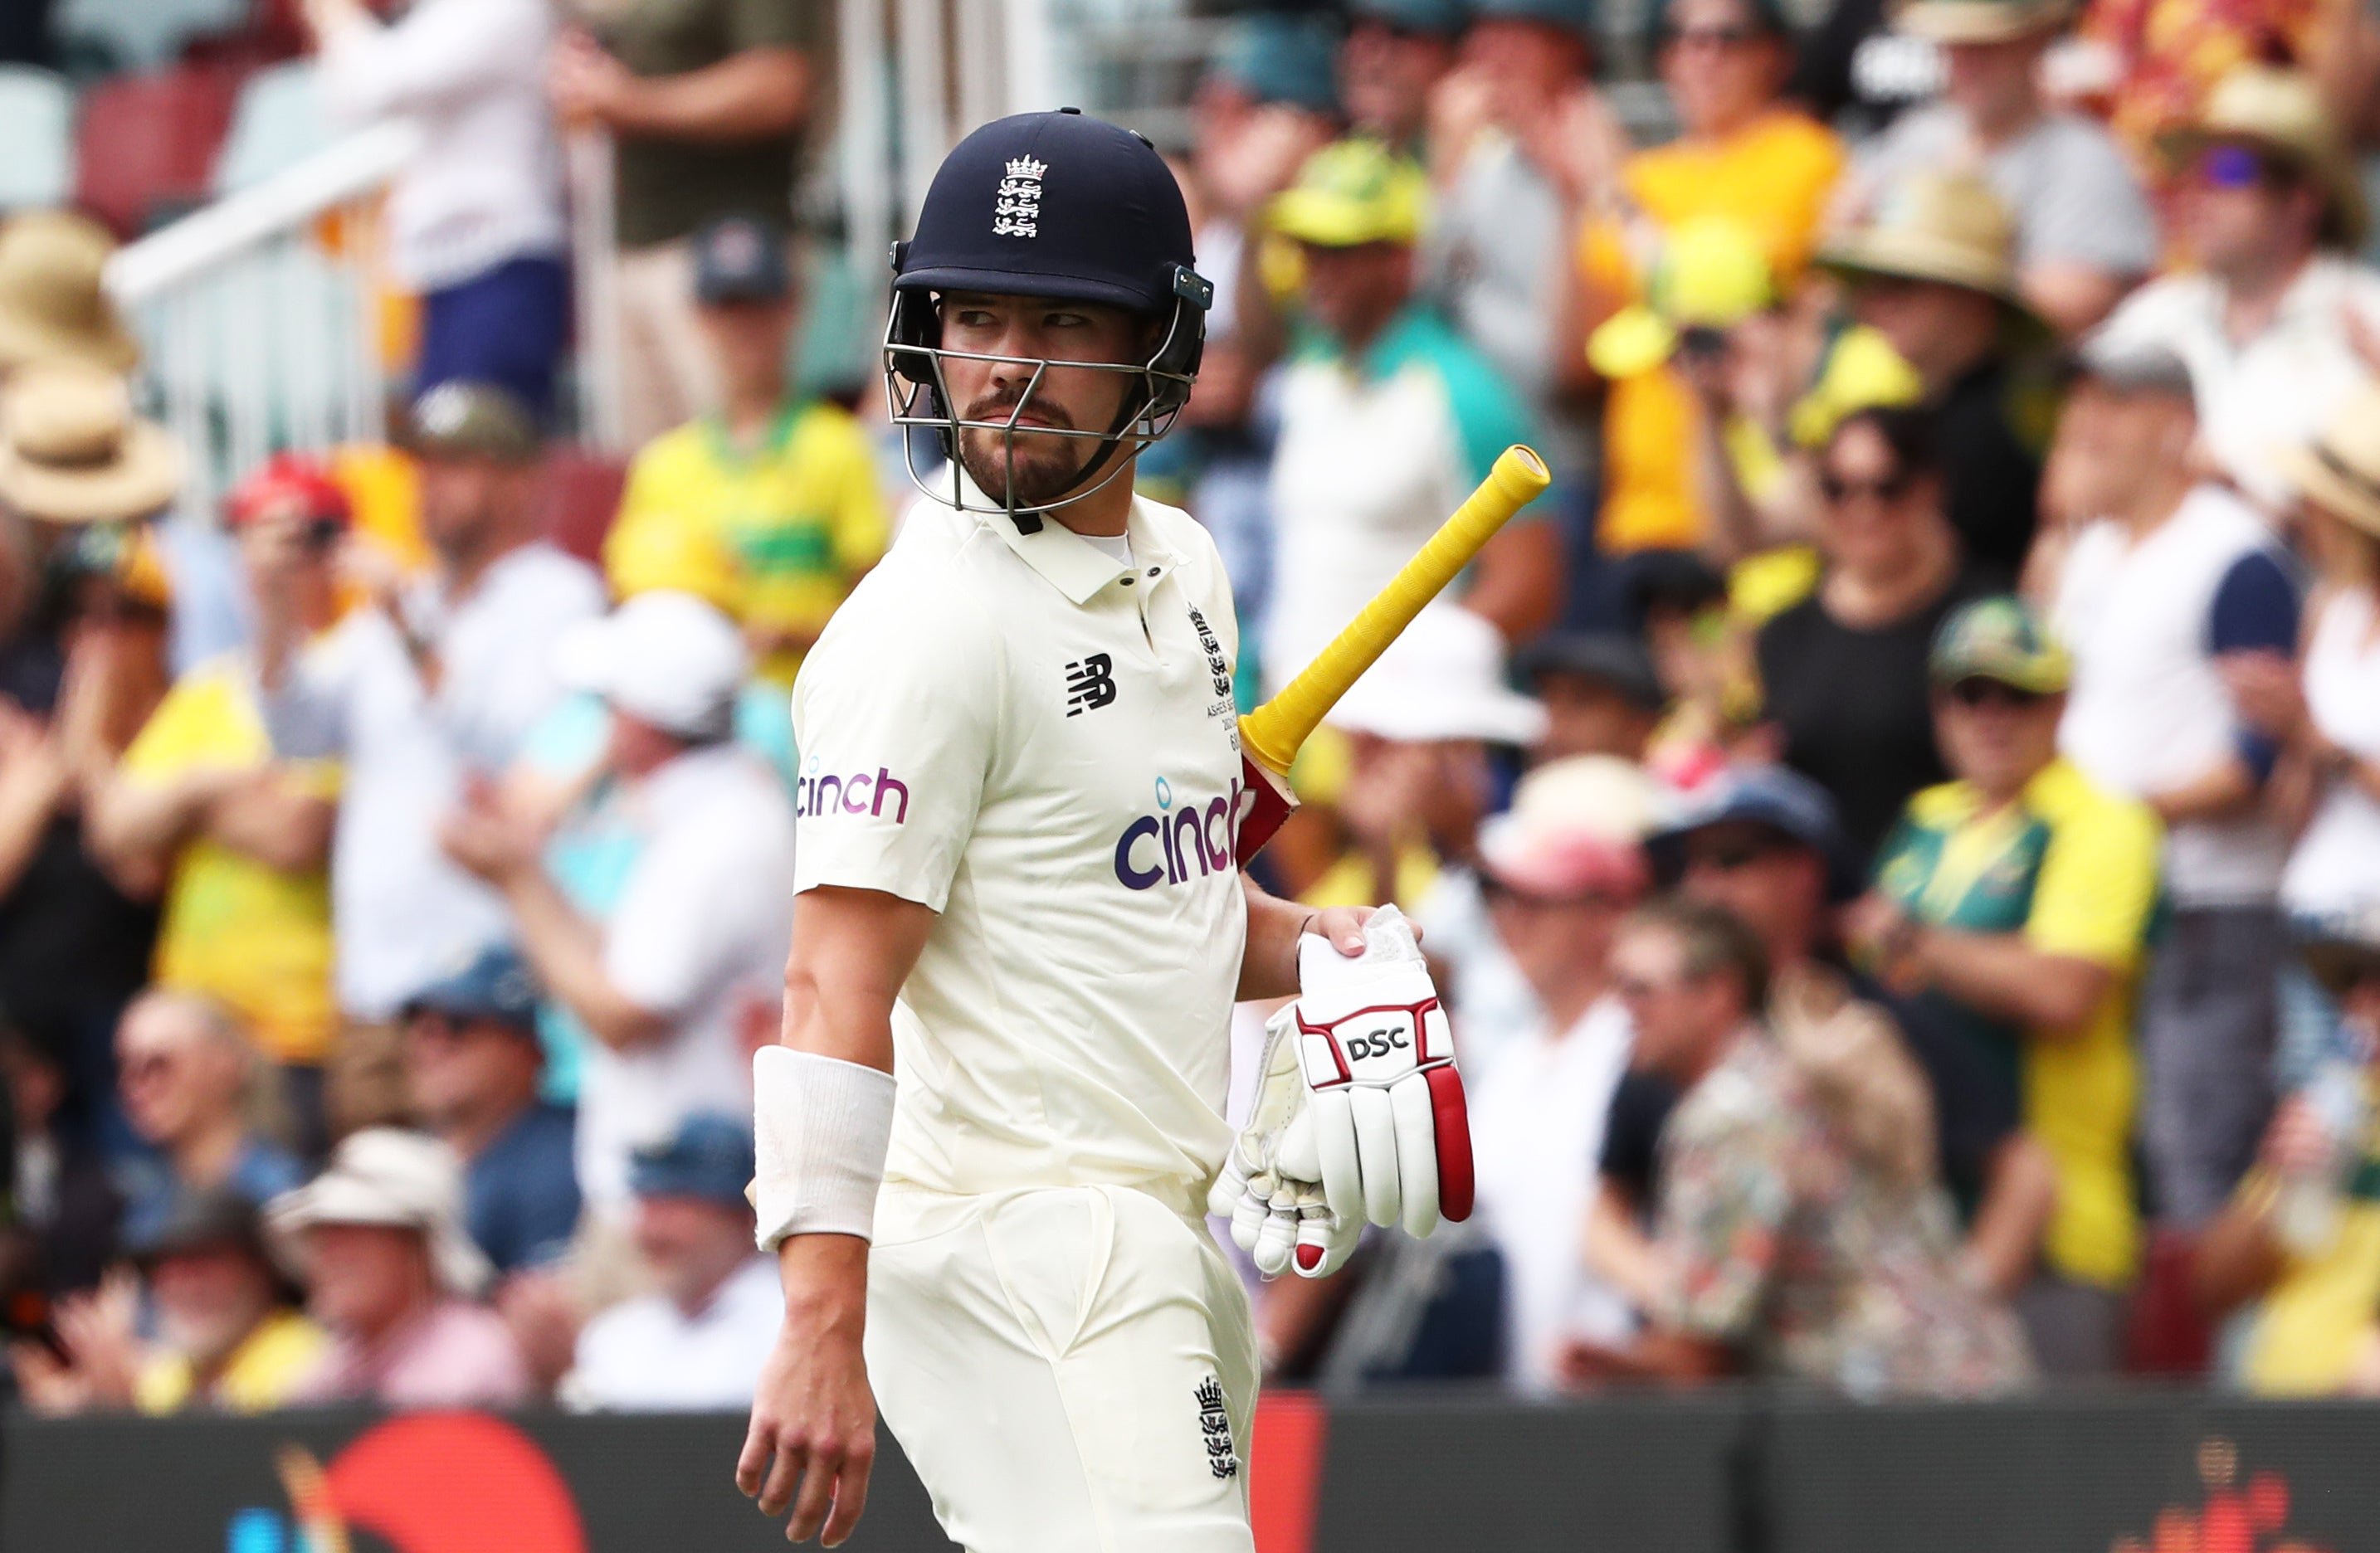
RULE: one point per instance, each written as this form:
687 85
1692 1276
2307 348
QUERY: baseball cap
740 259
1781 800
1577 825
1618 660
496 985
2126 363
1283 57
290 483
1353 191
709 1157
663 658
1999 639
1712 274
1443 18
460 419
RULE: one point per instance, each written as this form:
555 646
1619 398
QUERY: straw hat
1981 21
387 1176
2281 111
2340 468
71 450
1931 225
53 307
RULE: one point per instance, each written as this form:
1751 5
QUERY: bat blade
1271 736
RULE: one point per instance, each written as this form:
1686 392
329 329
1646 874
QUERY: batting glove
1384 1129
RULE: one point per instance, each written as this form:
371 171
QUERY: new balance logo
1215 1426
1090 683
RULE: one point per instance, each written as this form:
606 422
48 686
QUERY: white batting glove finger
1248 1215
1339 1157
1376 1147
1277 1239
1416 1130
1223 1197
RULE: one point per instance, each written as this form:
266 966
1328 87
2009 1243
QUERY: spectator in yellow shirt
1743 157
197 811
227 1338
771 509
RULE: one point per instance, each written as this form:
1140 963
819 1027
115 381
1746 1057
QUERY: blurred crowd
1898 824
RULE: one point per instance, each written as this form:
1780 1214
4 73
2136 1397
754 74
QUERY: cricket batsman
1020 789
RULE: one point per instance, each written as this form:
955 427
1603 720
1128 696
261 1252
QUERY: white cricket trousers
1070 1370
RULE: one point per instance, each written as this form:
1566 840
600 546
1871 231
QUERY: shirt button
1127 581
1152 571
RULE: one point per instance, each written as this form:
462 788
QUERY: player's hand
1385 1129
813 1417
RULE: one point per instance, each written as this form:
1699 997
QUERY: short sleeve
2097 884
1724 1202
895 716
755 24
171 741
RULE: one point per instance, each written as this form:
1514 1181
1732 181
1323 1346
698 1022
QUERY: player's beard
1044 468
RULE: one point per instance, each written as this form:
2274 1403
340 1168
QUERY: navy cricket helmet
1053 204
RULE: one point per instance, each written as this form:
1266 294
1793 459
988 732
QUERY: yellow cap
1712 274
1350 192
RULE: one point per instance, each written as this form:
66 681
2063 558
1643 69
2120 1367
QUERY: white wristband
820 1127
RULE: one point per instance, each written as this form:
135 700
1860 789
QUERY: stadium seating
582 497
144 34
147 143
37 126
278 122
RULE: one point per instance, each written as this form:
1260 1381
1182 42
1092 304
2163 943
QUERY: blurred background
1898 823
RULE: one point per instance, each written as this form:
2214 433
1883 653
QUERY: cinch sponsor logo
1176 844
860 793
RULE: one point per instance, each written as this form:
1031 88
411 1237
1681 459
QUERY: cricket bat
1271 736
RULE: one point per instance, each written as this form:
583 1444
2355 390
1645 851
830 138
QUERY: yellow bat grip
1273 733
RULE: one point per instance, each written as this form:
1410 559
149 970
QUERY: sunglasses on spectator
2234 167
1838 491
1727 857
1977 693
1715 37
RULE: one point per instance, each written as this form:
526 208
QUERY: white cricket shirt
1040 743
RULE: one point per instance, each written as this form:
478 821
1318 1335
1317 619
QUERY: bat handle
1274 732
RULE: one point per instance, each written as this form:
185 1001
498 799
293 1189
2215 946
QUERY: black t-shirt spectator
1992 427
1853 704
1632 1134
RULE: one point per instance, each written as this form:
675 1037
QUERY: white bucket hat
664 658
385 1175
1442 679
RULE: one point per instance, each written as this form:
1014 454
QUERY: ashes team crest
1017 210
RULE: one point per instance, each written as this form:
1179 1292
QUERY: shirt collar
1071 565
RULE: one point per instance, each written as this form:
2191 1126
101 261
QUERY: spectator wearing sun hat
1388 419
378 1240
2272 213
54 306
1932 266
662 974
2084 231
1560 869
2012 905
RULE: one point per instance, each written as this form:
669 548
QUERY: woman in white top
2327 708
475 222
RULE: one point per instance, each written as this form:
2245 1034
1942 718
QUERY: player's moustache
996 404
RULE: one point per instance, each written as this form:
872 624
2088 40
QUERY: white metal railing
257 337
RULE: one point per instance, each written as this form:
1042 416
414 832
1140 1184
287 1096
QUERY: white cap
385 1175
1575 825
663 658
1443 678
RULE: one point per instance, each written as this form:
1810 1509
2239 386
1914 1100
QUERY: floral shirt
1814 1268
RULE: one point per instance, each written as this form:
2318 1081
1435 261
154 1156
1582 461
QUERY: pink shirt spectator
458 1354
